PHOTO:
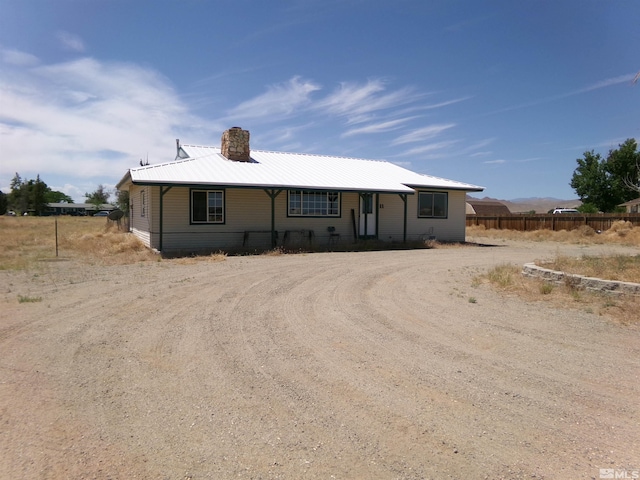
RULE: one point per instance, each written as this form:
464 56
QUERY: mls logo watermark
619 473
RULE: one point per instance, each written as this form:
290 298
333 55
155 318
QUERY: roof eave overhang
470 188
409 190
125 180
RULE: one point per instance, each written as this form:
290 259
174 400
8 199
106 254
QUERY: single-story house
486 207
230 197
632 206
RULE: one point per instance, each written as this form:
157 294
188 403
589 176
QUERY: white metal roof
206 166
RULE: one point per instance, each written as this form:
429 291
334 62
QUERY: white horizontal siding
450 229
391 218
139 224
249 210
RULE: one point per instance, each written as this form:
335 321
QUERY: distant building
76 209
632 206
482 207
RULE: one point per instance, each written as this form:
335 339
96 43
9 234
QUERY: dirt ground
376 365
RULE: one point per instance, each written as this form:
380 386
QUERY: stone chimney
235 144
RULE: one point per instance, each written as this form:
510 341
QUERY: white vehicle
565 210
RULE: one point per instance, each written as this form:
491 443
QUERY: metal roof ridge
199 146
324 155
163 164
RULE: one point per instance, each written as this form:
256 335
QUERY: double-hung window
303 203
207 206
432 204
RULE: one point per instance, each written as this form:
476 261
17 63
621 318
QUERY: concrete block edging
612 287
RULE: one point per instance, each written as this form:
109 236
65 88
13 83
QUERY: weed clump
503 275
624 268
585 231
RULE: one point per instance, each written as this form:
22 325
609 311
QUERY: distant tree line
32 196
604 183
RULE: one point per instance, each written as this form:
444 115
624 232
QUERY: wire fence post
56 237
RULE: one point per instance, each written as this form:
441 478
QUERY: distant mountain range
539 205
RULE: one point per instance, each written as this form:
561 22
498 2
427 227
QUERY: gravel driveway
328 365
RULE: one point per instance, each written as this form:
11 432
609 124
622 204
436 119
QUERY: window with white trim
303 203
207 206
433 204
143 203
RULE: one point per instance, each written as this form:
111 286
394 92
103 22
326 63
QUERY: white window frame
311 203
218 199
424 195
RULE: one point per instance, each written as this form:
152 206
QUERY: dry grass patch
28 240
621 233
194 259
617 267
508 278
623 268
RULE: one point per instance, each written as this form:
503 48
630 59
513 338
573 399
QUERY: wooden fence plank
564 221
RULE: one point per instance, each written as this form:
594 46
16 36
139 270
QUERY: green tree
588 208
18 197
99 197
605 184
28 195
122 201
623 164
54 196
590 181
37 191
4 203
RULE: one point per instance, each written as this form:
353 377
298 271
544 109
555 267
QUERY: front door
367 216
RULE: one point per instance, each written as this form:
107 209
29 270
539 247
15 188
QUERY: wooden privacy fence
564 221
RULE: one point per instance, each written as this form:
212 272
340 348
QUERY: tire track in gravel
523 381
343 335
370 365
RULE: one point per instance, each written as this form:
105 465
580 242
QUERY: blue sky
504 94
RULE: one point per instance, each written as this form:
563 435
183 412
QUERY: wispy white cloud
445 103
451 148
432 149
422 134
18 58
380 127
371 106
481 154
357 102
403 164
610 144
86 118
609 82
279 100
281 137
70 41
495 162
